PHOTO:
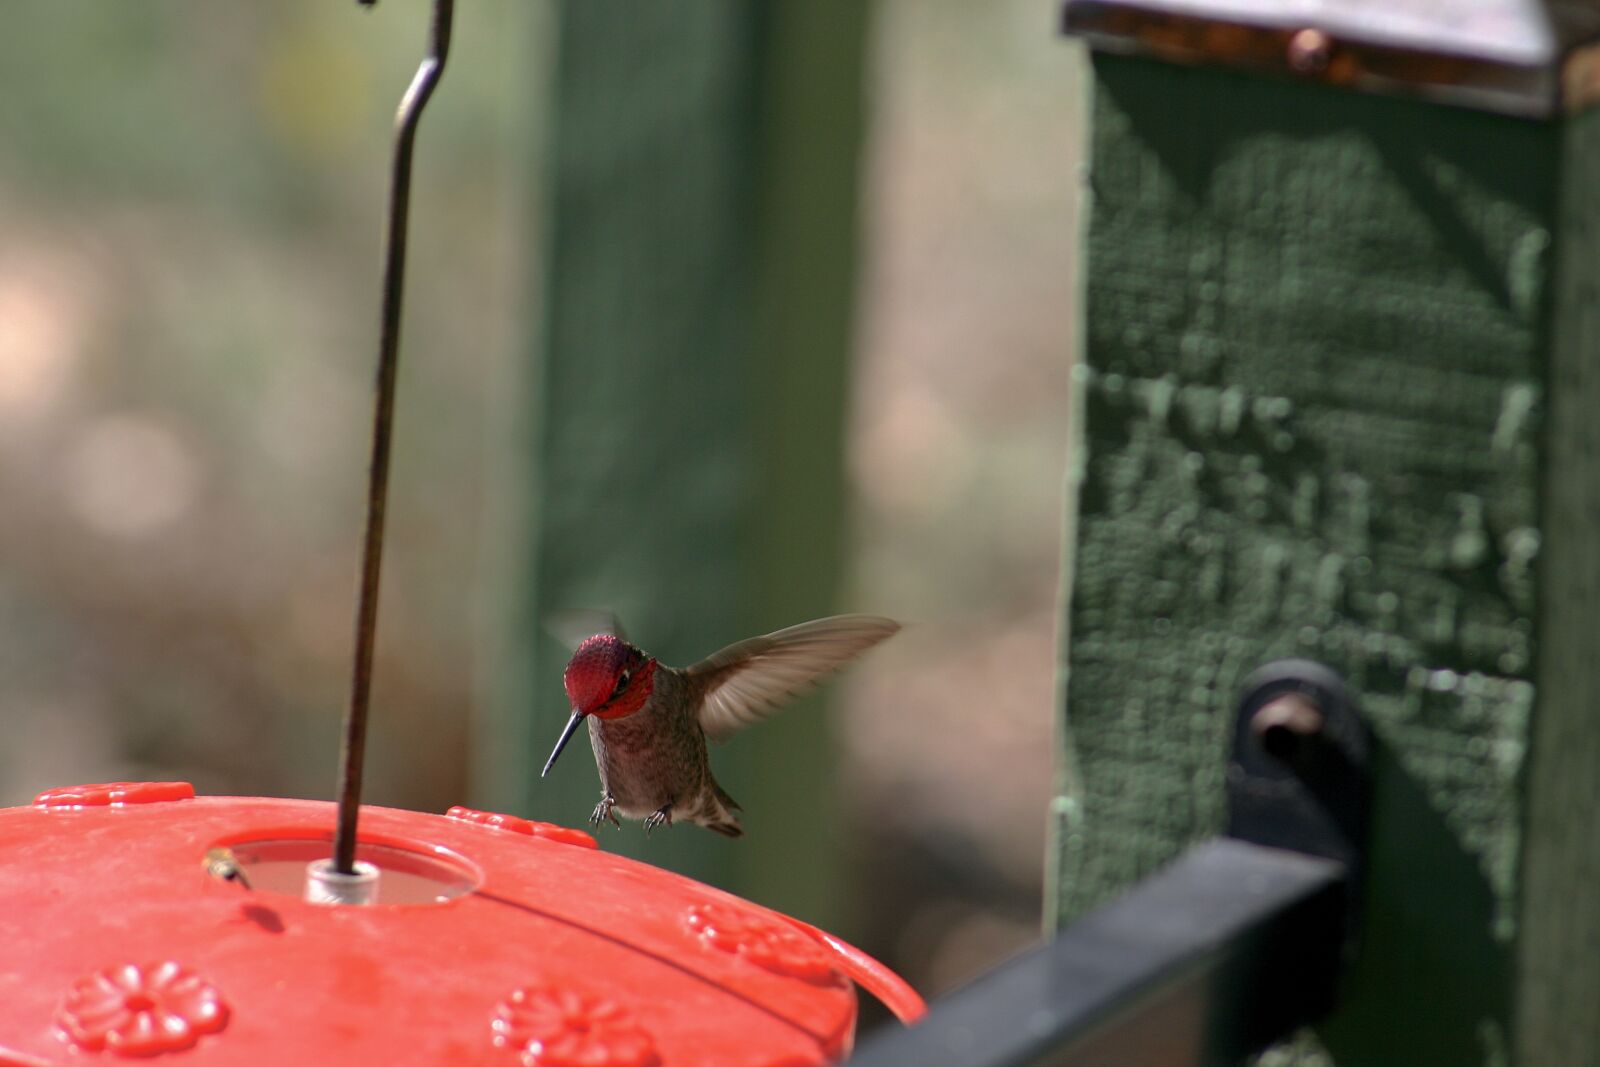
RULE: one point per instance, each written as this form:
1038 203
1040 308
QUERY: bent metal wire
353 750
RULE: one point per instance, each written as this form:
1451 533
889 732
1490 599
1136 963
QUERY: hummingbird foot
602 812
660 817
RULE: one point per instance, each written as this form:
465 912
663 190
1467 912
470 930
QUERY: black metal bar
353 751
1231 947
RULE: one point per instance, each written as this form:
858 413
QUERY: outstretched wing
746 682
572 628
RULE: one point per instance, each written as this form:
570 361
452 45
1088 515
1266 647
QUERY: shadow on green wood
1432 982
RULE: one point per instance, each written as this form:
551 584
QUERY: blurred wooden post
1341 369
687 416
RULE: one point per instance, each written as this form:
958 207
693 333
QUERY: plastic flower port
141 1011
551 1027
769 943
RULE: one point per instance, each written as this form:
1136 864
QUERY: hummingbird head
607 677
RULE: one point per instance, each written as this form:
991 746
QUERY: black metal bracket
1297 778
1235 945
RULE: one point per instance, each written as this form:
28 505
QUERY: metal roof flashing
1534 58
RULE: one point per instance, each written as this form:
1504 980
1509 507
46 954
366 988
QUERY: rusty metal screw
1288 728
1309 51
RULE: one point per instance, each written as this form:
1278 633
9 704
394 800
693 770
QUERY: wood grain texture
667 422
1558 952
1316 351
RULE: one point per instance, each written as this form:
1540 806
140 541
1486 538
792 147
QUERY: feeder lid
1525 57
494 941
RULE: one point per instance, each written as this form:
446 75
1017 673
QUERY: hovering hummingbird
648 722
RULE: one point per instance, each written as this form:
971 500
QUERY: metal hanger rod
353 751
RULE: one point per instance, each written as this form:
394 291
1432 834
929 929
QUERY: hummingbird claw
660 817
602 812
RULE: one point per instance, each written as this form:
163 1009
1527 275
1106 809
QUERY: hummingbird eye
622 683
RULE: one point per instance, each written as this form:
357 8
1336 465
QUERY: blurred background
190 203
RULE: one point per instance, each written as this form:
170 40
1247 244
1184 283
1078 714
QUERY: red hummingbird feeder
140 920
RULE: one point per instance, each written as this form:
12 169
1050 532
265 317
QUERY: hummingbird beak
566 735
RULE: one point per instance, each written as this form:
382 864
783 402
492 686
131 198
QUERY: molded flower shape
141 1011
767 942
551 1027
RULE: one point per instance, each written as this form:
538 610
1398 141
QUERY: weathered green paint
1320 329
687 417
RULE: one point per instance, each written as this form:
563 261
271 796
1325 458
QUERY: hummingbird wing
748 681
573 627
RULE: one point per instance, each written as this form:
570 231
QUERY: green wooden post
688 414
1341 359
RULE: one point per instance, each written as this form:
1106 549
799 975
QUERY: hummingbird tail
725 800
723 820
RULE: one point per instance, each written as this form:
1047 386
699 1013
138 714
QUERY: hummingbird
648 722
